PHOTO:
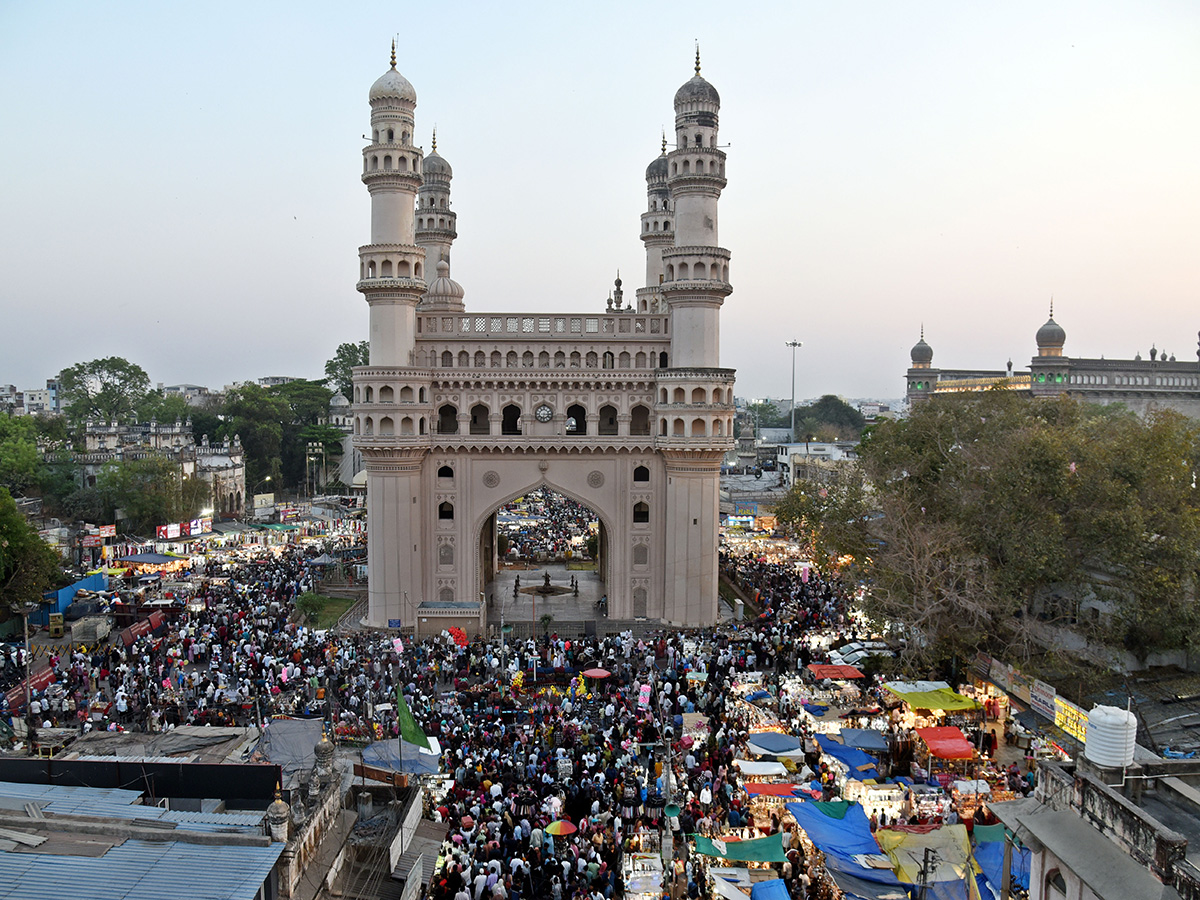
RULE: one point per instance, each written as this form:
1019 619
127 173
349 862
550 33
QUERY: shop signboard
745 508
92 540
108 531
1001 674
1041 698
1020 685
1070 718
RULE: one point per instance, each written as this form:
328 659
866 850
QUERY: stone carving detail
491 479
595 479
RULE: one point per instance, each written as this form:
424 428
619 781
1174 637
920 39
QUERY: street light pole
793 344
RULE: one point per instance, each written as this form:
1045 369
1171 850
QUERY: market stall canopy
774 889
149 559
774 742
767 849
947 742
862 767
323 560
597 673
949 861
838 673
721 888
772 790
759 769
842 832
940 698
865 739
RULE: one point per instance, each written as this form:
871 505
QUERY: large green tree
339 370
152 491
983 517
258 417
28 565
19 457
830 418
108 389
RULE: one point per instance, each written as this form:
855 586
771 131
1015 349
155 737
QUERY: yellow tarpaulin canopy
943 698
951 857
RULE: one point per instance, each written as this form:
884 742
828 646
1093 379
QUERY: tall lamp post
794 345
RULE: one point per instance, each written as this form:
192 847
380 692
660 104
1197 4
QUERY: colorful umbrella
596 673
560 828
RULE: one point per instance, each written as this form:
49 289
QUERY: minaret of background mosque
694 287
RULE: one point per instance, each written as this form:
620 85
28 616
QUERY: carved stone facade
626 410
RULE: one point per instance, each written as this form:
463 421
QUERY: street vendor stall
945 753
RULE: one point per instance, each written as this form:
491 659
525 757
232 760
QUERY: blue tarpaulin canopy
862 767
841 839
148 559
865 739
774 889
403 758
990 857
774 742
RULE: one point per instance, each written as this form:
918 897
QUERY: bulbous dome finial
921 353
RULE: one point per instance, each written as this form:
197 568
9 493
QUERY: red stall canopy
947 742
772 790
836 672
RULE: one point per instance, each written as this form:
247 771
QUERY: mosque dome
657 169
921 353
1051 335
696 90
443 287
435 164
391 85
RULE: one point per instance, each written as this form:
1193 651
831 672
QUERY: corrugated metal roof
140 870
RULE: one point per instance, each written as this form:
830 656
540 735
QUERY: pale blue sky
181 182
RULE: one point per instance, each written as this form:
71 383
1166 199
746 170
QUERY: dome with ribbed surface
443 289
696 90
435 164
391 85
657 169
921 353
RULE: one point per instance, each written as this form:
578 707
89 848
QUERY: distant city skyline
183 183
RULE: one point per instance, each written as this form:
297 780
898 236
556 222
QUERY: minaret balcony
378 179
427 235
391 283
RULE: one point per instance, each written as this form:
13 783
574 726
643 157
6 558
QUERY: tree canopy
108 390
28 565
338 371
980 518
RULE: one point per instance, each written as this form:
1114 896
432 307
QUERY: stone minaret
436 231
696 278
392 266
657 232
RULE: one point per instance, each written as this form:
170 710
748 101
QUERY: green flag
409 731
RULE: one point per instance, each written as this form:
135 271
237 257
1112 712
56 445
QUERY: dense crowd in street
544 524
531 744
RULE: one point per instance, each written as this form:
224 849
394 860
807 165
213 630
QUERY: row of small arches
653 226
546 360
699 395
696 272
577 420
388 135
377 163
685 168
387 394
1132 380
386 269
429 223
480 423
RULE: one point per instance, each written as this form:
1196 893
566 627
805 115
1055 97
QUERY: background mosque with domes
1141 384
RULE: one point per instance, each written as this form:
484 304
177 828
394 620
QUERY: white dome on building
391 85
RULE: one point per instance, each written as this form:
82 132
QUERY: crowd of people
544 524
556 777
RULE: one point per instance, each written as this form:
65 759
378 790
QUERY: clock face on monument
543 413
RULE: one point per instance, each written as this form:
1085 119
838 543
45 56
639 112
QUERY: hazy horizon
184 185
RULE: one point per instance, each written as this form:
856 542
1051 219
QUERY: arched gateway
625 410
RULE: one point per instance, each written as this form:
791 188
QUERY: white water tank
1110 737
